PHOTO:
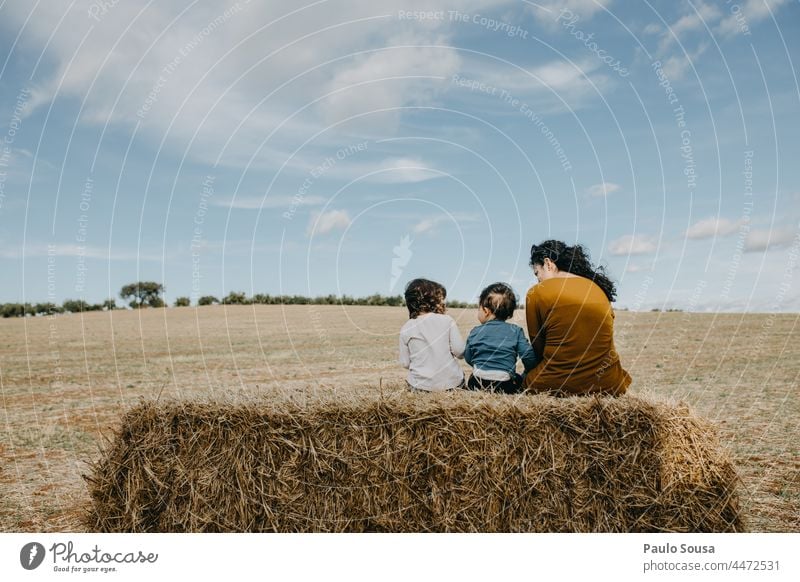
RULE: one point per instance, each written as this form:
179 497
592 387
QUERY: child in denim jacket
493 347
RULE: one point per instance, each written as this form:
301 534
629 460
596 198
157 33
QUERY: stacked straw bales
460 462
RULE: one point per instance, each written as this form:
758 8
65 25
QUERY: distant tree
12 310
375 299
143 294
75 305
182 302
395 300
47 308
109 304
207 300
235 298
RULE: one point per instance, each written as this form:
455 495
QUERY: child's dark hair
500 300
425 296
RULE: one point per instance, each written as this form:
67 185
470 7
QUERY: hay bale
461 462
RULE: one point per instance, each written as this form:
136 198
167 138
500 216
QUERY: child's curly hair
425 296
500 300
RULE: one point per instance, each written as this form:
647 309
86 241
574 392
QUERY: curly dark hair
425 296
500 300
575 260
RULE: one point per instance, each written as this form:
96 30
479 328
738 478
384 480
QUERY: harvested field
66 381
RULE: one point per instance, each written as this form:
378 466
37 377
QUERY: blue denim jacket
495 345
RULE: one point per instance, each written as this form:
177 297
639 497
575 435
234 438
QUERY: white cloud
549 87
764 239
752 12
389 79
401 170
632 244
711 227
695 20
559 76
428 225
547 10
652 28
213 72
701 15
676 67
325 222
388 170
720 19
602 189
634 268
257 202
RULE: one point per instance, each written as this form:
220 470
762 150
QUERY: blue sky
330 148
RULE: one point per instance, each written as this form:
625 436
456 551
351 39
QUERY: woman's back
572 321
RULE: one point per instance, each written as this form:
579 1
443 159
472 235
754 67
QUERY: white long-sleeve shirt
429 346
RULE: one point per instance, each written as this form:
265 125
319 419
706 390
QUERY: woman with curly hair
571 324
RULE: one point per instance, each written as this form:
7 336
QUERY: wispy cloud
400 170
637 268
699 16
720 19
429 224
711 227
546 10
765 239
752 12
542 86
676 66
602 189
388 80
652 28
631 244
323 223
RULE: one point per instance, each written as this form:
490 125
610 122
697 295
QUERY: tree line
149 294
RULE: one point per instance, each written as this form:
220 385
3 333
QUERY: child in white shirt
430 341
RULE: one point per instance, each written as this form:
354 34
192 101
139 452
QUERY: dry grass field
66 380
